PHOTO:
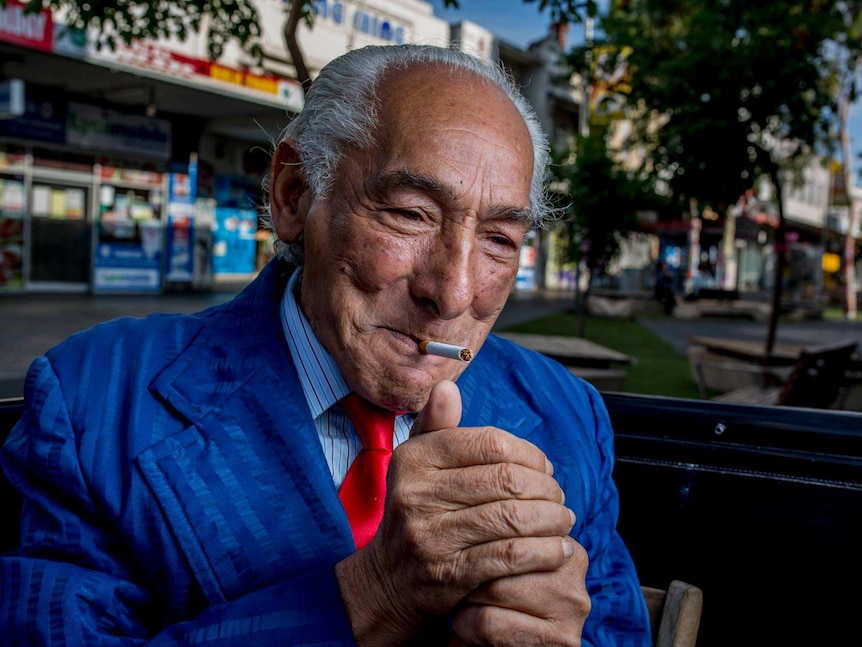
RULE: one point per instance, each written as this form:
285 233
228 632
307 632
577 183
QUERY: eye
409 214
504 241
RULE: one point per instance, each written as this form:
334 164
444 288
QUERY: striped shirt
324 386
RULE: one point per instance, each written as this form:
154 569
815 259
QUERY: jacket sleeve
71 583
619 615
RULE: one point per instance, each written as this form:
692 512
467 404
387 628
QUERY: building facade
140 169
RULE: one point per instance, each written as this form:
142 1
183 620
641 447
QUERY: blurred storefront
139 169
98 158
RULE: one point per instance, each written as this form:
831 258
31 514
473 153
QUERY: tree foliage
124 21
599 199
738 88
726 91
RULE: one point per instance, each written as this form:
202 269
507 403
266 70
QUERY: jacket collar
240 345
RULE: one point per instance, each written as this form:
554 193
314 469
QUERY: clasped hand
474 534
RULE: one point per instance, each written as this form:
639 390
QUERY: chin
407 395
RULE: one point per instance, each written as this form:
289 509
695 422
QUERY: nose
445 277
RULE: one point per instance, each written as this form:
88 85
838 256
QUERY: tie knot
374 425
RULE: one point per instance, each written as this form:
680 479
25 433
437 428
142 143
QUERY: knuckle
511 481
580 557
515 555
496 444
446 572
483 622
513 516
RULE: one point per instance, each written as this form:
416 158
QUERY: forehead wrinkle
383 183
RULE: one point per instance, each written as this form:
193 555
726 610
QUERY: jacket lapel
246 485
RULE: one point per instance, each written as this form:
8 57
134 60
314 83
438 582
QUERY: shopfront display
130 232
11 232
12 220
77 222
182 195
234 242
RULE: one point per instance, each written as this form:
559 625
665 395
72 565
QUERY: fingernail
568 548
574 518
549 467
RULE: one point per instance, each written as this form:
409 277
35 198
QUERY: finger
465 446
506 520
544 608
481 624
540 594
506 557
442 411
477 484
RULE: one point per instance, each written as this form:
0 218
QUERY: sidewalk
30 324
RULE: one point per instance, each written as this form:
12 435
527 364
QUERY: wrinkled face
419 238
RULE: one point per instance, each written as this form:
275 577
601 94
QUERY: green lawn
658 369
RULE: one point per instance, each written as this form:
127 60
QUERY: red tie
364 488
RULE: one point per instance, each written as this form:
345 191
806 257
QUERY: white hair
341 113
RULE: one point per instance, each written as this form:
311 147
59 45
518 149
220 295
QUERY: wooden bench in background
816 380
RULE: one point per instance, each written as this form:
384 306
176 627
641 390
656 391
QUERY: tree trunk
727 278
297 58
780 262
849 183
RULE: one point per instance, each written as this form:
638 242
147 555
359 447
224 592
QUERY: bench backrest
756 505
818 376
10 500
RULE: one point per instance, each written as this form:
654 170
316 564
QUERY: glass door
60 235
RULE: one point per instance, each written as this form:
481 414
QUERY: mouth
413 342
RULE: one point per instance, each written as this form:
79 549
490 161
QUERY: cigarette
446 350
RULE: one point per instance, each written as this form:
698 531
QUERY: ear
287 188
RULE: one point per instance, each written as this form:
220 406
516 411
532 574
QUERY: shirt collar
321 380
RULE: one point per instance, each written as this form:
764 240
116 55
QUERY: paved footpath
809 333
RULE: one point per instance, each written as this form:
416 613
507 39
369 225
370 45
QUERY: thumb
442 411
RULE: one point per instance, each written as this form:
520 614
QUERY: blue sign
44 119
182 193
129 266
234 242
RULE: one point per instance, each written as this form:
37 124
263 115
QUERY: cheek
494 282
375 260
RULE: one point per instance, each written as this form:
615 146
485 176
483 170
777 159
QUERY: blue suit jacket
176 491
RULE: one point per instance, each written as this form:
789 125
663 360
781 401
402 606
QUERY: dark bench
758 506
10 500
718 294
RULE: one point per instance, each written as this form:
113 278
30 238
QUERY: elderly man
228 477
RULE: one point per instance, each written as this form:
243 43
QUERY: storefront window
130 230
11 231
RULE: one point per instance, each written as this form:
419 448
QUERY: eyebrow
385 183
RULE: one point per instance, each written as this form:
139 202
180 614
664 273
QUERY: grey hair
341 112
